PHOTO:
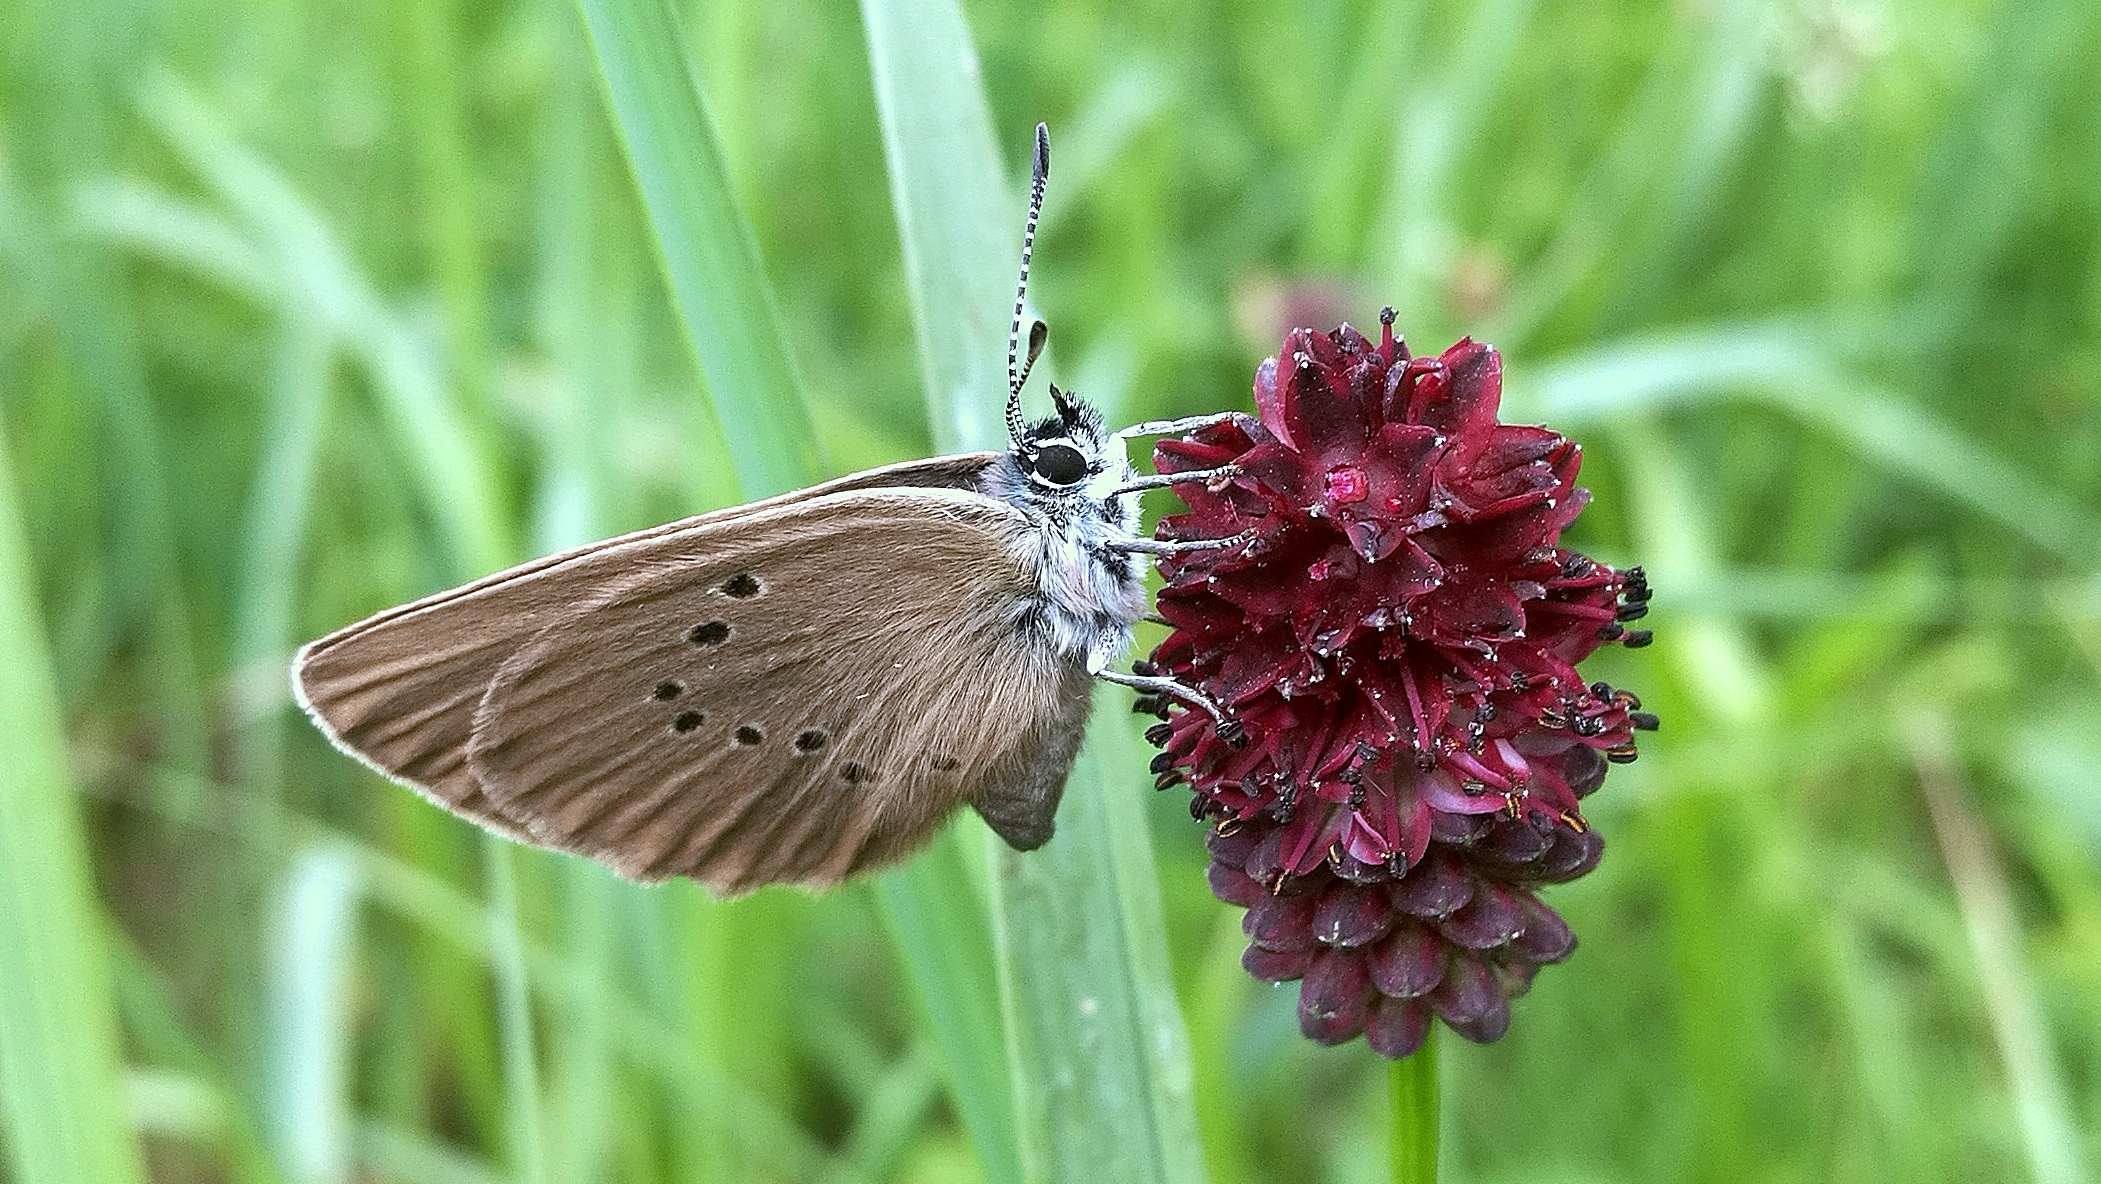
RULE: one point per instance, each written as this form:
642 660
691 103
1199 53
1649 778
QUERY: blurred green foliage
309 308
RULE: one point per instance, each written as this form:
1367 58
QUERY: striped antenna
1016 373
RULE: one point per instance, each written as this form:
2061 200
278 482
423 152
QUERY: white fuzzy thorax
1090 596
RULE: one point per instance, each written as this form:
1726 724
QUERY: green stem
1415 1115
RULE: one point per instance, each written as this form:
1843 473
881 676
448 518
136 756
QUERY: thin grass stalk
521 1069
1099 1061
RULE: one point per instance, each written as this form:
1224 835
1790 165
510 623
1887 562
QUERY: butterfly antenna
1016 372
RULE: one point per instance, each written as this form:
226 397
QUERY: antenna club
1042 170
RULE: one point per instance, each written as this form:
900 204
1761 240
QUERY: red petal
1350 916
1409 963
1335 1000
1397 1028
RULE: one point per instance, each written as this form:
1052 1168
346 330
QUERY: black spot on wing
686 721
709 633
742 586
811 740
747 734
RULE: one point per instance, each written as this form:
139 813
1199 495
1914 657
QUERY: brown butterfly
791 691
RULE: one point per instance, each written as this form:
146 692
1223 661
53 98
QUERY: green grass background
309 308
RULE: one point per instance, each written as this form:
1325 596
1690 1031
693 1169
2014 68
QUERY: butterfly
792 691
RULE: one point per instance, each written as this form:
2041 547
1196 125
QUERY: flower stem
1415 1115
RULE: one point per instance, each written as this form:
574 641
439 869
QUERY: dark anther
1612 632
1159 734
946 764
1230 731
1425 760
1621 756
1357 796
1171 777
1485 713
852 773
1633 610
1149 705
1587 725
1473 789
810 741
1199 805
711 633
1144 669
741 586
1366 754
1575 567
1287 793
1644 721
1387 315
1282 811
667 691
1601 689
1628 699
687 721
1519 680
1637 638
746 734
1162 762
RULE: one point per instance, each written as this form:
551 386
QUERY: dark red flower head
1398 639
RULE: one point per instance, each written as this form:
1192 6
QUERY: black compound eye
1061 464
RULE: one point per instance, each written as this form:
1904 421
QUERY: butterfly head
1063 452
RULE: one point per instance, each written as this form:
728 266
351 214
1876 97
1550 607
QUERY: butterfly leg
1177 427
1159 685
1162 549
1163 480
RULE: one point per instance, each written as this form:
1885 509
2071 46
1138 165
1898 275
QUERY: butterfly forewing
400 689
788 696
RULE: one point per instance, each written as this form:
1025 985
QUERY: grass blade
711 265
58 1042
935 915
705 246
315 952
959 229
2049 1134
1100 1063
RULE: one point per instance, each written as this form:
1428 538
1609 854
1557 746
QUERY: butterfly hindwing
794 695
399 690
